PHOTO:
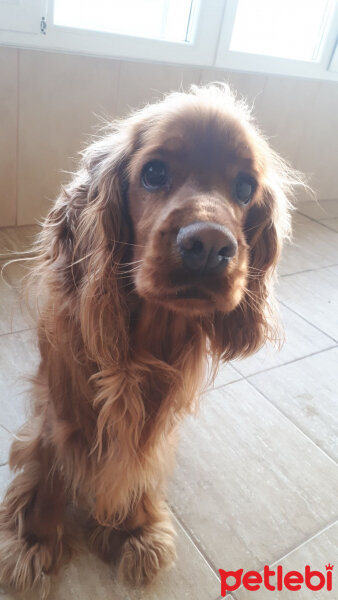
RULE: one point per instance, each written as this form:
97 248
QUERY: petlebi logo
276 579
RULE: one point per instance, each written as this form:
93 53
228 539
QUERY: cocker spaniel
158 254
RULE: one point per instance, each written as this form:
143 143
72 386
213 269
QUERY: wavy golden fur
125 325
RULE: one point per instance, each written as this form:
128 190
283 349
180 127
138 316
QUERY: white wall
49 104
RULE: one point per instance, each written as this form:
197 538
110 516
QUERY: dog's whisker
122 243
255 270
122 266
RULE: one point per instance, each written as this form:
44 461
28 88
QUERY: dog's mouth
192 300
191 293
186 295
188 299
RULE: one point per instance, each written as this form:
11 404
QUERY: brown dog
160 251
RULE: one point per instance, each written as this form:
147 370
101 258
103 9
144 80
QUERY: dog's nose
206 246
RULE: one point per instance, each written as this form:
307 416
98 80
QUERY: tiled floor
256 480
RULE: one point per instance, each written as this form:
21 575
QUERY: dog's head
197 192
184 205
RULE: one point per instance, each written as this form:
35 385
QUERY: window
289 37
162 19
289 29
20 15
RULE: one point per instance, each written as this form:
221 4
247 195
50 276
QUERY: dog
158 254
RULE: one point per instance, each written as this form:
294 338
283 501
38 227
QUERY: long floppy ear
81 247
245 329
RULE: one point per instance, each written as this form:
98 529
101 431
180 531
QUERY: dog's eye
154 175
244 188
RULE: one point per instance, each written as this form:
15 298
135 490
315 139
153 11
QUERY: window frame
209 47
243 61
24 15
200 50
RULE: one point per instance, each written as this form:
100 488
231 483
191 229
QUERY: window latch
43 25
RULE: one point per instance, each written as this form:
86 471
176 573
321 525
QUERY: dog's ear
252 322
82 245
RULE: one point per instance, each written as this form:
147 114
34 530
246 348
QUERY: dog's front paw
145 552
23 565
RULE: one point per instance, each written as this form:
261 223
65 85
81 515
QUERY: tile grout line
242 376
317 221
17 138
21 303
4 428
288 362
306 541
286 416
306 320
119 67
193 540
17 331
296 548
300 141
314 269
198 547
221 385
321 450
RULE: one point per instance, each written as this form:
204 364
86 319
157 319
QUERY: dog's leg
141 546
105 541
31 516
150 544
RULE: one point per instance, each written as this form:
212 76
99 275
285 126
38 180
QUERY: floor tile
306 392
6 477
300 338
5 442
332 223
15 271
16 239
18 361
88 578
317 552
14 315
226 374
298 217
323 209
313 246
191 578
249 485
314 296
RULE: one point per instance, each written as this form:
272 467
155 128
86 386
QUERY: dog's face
184 206
192 184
